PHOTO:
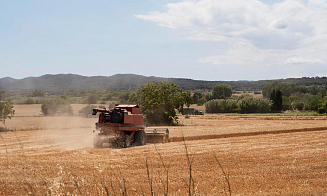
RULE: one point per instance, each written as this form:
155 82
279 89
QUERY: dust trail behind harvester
68 133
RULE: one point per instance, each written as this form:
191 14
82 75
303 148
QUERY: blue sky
204 39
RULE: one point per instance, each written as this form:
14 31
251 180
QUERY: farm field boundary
207 137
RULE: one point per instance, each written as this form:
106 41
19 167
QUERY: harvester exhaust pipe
157 135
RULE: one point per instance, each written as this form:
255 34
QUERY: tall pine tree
279 101
277 98
272 98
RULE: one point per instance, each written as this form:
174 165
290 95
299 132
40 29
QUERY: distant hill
7 80
62 82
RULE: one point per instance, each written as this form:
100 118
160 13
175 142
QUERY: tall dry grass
282 164
111 181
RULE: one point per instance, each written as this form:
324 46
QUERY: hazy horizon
154 76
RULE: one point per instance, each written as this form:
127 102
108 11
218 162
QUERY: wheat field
58 158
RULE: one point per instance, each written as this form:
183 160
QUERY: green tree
316 103
286 87
272 98
2 95
38 93
159 101
221 91
6 110
314 90
298 105
301 89
277 98
279 101
197 96
201 101
209 97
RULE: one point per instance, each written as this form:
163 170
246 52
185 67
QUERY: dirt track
55 159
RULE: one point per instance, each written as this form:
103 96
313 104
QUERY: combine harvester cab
123 126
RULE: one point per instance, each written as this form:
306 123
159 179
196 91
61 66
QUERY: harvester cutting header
123 126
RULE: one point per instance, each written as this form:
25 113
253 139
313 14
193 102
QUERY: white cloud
300 60
278 24
290 32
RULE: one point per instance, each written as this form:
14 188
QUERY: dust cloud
67 133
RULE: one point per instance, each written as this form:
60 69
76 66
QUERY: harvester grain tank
123 126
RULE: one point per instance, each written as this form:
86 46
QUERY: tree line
160 100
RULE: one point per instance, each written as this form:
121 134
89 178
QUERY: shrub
29 101
315 104
56 106
254 105
321 110
103 102
201 101
221 106
38 93
86 110
298 105
91 99
243 96
124 96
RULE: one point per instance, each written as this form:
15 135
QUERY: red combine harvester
123 126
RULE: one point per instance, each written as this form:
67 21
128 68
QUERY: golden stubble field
59 159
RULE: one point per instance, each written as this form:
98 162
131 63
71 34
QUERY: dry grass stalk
284 163
76 183
190 183
102 183
45 184
226 175
122 184
149 176
6 147
165 184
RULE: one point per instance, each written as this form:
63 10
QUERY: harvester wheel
140 138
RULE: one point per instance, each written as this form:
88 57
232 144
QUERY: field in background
35 109
58 157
